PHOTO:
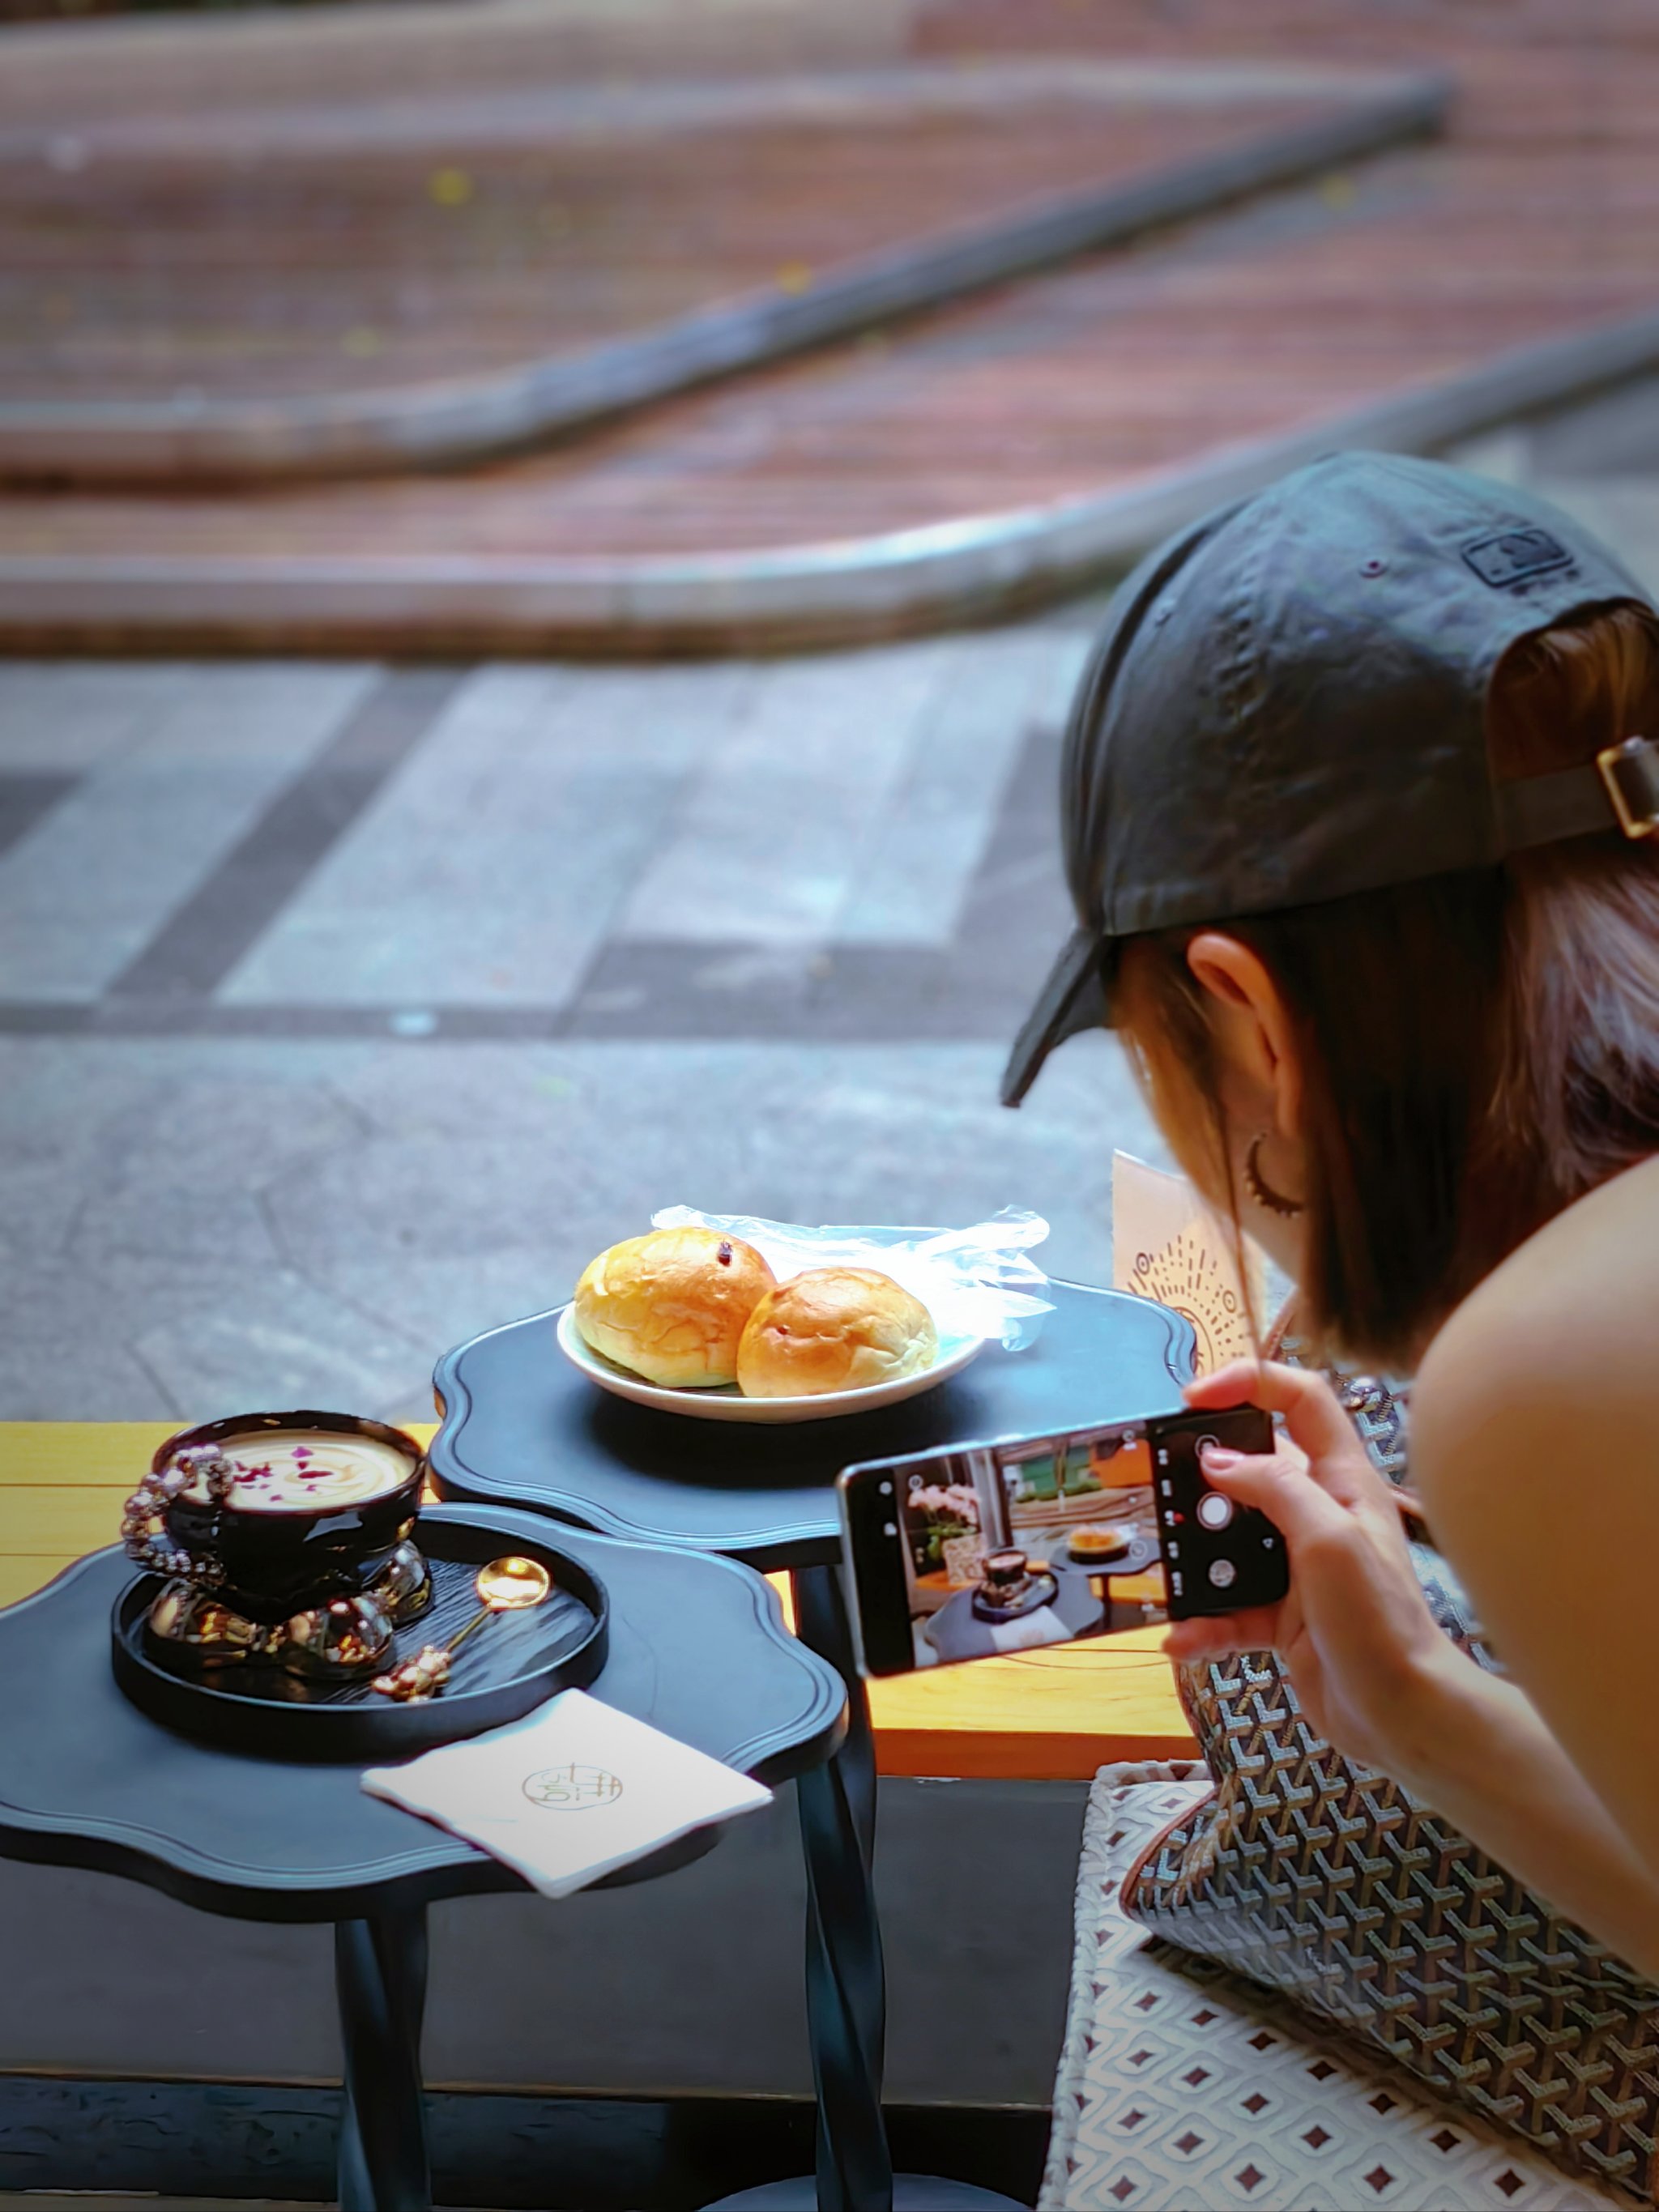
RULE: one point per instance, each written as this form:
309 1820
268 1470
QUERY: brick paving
330 247
1087 380
346 1008
1534 218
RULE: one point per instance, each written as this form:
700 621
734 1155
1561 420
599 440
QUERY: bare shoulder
1556 1346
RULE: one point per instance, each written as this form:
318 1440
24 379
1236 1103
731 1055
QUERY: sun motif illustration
1194 1276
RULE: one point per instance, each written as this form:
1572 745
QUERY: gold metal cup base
194 1630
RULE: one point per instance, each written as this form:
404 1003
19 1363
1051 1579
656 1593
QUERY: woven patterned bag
1328 1881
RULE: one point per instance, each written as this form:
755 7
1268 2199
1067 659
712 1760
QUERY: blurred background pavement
386 923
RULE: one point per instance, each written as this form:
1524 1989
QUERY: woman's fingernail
1217 1460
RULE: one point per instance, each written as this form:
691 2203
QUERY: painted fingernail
1217 1460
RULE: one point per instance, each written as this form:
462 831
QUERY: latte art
295 1470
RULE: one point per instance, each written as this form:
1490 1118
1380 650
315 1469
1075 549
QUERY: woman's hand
1377 1678
1354 1630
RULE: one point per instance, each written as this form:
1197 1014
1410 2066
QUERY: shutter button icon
1214 1510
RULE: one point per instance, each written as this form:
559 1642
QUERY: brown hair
1479 1049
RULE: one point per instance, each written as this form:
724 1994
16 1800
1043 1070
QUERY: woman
1360 797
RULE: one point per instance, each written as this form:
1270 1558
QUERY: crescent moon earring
1262 1191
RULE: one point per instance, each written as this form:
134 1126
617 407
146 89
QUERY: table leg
380 1975
846 1991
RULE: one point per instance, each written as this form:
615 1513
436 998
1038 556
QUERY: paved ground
346 1010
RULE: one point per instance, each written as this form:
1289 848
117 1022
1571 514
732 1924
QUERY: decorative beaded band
144 1533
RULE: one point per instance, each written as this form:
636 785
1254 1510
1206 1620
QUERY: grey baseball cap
1289 705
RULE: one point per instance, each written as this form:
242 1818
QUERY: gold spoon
508 1585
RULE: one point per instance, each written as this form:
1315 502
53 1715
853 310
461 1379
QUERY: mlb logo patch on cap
1510 556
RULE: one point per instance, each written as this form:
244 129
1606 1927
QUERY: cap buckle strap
1630 773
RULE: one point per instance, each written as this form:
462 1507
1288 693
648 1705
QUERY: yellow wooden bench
1041 1715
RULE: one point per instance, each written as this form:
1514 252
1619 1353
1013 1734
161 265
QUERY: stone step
956 464
240 292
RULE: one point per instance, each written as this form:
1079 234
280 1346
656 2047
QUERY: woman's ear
1252 1025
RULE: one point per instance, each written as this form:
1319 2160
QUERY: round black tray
504 1669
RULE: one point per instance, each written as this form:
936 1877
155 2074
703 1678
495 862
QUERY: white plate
728 1403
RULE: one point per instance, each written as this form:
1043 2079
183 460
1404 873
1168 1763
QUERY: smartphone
1025 1541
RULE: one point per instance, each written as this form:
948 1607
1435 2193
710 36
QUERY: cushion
1182 2084
1327 1880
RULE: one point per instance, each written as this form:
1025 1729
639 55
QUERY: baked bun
671 1306
834 1328
1091 1544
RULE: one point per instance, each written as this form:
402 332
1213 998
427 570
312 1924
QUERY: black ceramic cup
269 1560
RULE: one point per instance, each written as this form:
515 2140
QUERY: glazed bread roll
1086 1545
834 1328
672 1305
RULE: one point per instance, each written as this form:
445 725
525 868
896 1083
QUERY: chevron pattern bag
1327 1881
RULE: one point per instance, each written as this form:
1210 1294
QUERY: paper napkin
570 1794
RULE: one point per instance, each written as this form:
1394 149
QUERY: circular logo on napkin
572 1789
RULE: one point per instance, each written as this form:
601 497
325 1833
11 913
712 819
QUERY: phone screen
1003 1547
986 1550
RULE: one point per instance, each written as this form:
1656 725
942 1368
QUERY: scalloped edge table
521 1425
87 1780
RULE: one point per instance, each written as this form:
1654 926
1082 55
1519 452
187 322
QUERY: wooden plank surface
72 1456
1039 1717
1045 1716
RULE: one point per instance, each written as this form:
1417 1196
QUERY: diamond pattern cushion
1180 2084
1331 1883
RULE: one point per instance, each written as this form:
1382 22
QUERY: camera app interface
1012 1548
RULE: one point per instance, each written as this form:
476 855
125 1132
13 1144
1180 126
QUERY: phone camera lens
1223 1573
1214 1510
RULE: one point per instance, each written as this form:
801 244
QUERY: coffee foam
289 1470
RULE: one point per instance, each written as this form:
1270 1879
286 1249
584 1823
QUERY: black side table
696 1650
521 1426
